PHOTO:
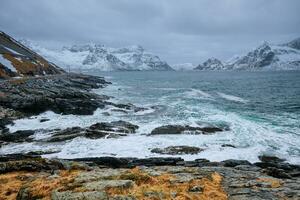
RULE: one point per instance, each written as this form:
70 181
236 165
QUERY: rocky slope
100 57
18 60
265 57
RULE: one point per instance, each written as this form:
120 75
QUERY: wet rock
66 94
37 164
67 134
18 136
233 163
177 150
15 157
44 120
106 161
228 145
179 129
116 126
158 161
99 130
267 158
69 195
38 153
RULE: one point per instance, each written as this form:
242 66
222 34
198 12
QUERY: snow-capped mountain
265 57
183 66
268 57
96 56
211 64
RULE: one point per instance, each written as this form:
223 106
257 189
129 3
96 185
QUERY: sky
179 31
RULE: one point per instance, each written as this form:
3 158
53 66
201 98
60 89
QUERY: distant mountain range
265 57
17 60
28 58
97 56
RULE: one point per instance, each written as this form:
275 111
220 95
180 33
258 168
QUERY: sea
261 111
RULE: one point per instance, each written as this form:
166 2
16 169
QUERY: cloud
180 31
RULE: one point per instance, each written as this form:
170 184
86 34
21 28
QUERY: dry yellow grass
11 184
41 185
165 187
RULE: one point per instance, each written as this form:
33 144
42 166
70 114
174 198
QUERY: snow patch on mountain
211 64
264 57
97 56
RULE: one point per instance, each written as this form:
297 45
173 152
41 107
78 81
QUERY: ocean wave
232 98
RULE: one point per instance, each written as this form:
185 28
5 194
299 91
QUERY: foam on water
231 97
252 133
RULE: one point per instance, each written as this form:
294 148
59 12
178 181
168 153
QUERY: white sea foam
232 98
251 137
196 93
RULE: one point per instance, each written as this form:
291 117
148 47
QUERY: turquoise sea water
261 109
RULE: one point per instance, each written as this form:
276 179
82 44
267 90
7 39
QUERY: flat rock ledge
27 177
177 150
180 129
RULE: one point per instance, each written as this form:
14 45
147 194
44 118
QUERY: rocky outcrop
179 129
99 130
151 178
18 60
66 94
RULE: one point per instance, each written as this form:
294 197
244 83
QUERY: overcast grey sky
177 30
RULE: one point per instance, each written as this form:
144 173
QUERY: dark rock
168 129
18 136
177 150
266 158
95 131
33 164
67 134
179 129
228 145
66 94
38 153
233 163
44 120
16 157
106 161
155 161
277 173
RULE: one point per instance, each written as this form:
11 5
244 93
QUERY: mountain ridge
98 56
17 59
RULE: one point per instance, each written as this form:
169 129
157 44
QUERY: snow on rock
265 57
211 64
97 56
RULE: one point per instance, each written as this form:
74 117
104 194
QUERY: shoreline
272 177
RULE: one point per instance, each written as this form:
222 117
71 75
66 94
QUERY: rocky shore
26 177
30 176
